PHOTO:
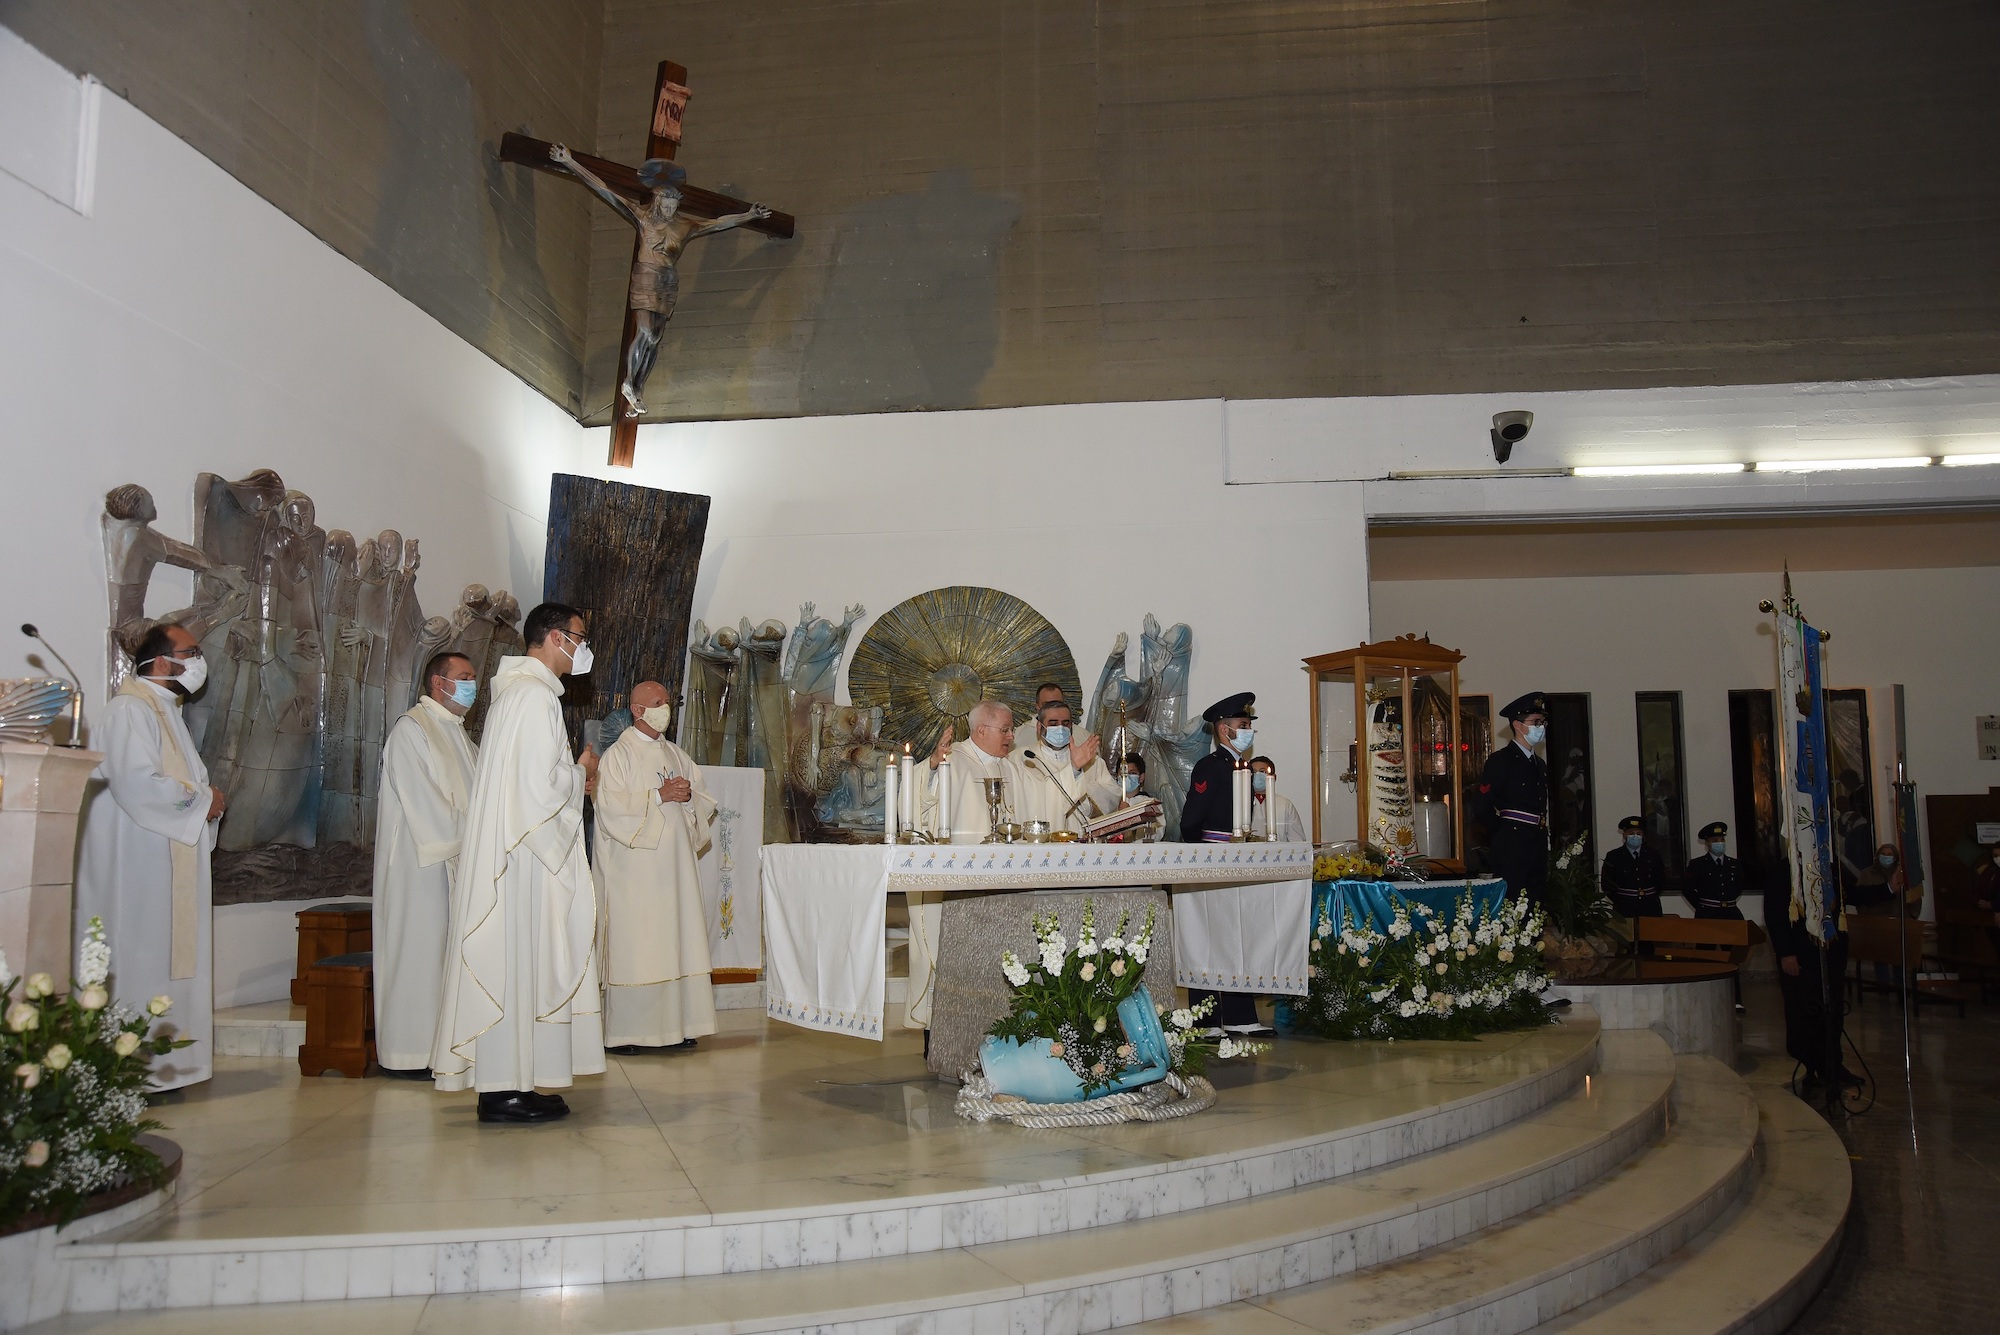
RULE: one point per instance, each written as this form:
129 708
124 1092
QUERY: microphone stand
1063 788
75 741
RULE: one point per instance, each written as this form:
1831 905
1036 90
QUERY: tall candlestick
1271 805
945 807
889 800
909 793
1236 799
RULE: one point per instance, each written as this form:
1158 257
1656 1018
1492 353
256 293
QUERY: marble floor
1924 1230
762 1116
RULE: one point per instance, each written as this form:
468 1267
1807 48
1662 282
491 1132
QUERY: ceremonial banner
1807 825
731 878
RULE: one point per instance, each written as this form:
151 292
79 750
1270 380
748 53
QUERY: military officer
1633 873
1207 814
1714 879
1513 801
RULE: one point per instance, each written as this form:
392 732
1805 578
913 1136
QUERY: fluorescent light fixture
1969 460
1841 465
1474 474
1653 470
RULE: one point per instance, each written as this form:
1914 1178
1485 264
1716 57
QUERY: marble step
1117 1273
1548 1262
1245 1152
1756 1268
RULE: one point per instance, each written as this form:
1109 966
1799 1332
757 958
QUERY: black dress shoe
641 1050
555 1101
413 1073
519 1106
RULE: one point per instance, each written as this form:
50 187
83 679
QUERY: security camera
1509 428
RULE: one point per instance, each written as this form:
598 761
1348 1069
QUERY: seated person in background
1714 879
1282 817
1633 873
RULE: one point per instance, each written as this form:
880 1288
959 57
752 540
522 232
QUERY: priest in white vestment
147 836
653 818
1267 807
1064 780
427 765
1024 729
521 1005
980 757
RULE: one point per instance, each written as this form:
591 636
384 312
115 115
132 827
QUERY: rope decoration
1161 1102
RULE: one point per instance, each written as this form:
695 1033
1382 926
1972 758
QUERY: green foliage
1575 903
1426 976
72 1089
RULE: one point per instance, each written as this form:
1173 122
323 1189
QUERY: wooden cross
663 140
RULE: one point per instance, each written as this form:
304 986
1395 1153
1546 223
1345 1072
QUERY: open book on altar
1140 811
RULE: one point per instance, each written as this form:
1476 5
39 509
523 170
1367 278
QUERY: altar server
653 819
147 837
1633 873
427 765
1268 809
980 757
1064 781
1208 813
1714 880
1513 802
520 1006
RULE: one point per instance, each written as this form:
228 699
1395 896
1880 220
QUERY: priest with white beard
1064 781
980 757
147 837
521 1005
653 817
427 765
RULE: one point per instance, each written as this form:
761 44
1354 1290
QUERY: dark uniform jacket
1788 937
1208 804
1629 877
1712 886
1515 781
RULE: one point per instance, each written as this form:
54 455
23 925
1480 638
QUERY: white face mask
193 674
1244 739
1536 733
1056 735
1132 782
580 657
658 717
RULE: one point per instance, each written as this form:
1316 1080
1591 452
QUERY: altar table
1240 913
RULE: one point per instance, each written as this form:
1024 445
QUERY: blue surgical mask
1259 781
1245 740
1718 848
1635 842
1536 733
1886 859
1132 782
463 693
1056 735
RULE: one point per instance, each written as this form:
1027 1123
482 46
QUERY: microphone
1061 787
76 686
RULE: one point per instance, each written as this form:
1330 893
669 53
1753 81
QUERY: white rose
93 998
1098 1025
1088 972
29 1074
37 1155
127 1044
39 985
160 1005
21 1017
1182 1018
57 1057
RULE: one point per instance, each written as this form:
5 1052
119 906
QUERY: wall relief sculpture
1153 710
315 641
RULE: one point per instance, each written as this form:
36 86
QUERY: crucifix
666 213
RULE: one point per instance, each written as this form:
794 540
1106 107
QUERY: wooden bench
325 930
340 1016
1718 940
1873 940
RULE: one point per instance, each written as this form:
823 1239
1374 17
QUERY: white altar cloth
823 911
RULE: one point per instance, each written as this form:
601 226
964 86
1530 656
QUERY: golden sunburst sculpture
931 658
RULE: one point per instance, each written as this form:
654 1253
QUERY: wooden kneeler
340 1016
336 928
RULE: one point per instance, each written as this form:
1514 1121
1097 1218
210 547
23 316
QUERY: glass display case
1388 754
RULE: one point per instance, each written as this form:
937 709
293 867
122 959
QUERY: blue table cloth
1374 903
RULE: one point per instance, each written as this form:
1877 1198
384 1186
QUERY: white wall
1928 630
187 326
1094 514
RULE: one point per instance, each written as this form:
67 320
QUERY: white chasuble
144 870
520 1005
427 766
657 989
1056 791
971 820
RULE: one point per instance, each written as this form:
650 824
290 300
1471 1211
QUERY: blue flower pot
1029 1072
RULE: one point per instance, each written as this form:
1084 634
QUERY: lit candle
909 793
889 800
945 809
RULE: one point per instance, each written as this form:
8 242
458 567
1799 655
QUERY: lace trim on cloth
999 866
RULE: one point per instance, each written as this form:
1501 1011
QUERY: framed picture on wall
1753 774
1662 779
1572 798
